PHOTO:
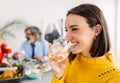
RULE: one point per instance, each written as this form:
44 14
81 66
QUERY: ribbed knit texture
90 70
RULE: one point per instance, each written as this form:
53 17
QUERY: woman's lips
73 45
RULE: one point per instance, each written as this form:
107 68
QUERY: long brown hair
94 16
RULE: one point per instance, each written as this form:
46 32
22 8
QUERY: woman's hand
58 65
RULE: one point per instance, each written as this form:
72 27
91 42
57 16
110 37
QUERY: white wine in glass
60 49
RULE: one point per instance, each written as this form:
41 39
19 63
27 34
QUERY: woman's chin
74 52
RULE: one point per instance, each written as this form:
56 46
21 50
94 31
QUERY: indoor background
48 14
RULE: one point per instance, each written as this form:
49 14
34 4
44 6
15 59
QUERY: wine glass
60 49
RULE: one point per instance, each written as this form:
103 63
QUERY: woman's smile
74 45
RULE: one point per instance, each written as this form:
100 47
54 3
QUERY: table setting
33 70
17 70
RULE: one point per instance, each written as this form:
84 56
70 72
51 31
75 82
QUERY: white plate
46 69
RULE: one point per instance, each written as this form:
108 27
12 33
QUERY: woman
3 49
89 60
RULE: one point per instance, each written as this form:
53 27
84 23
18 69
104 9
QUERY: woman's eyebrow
72 26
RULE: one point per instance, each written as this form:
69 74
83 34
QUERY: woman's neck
86 54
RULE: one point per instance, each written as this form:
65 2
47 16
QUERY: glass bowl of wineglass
60 49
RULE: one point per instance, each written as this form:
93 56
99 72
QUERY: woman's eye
74 29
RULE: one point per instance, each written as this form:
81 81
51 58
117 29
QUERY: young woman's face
79 34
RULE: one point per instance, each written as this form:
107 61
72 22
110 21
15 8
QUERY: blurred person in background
4 51
34 47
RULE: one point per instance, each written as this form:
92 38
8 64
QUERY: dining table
46 77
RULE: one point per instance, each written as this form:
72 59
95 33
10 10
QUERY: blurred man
34 47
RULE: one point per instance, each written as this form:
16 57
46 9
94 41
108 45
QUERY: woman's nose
68 36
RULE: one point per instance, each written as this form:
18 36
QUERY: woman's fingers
63 61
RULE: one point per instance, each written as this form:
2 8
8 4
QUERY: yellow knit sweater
90 70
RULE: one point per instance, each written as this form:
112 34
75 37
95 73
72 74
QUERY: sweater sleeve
115 78
55 80
62 80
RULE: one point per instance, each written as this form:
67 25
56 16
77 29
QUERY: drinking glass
59 49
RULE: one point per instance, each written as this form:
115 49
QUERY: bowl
32 74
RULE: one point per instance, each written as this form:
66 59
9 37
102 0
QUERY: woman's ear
97 29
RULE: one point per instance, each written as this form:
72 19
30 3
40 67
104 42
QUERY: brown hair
94 16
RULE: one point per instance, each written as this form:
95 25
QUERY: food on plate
11 74
8 74
42 67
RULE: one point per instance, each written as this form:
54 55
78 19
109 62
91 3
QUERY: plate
45 67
